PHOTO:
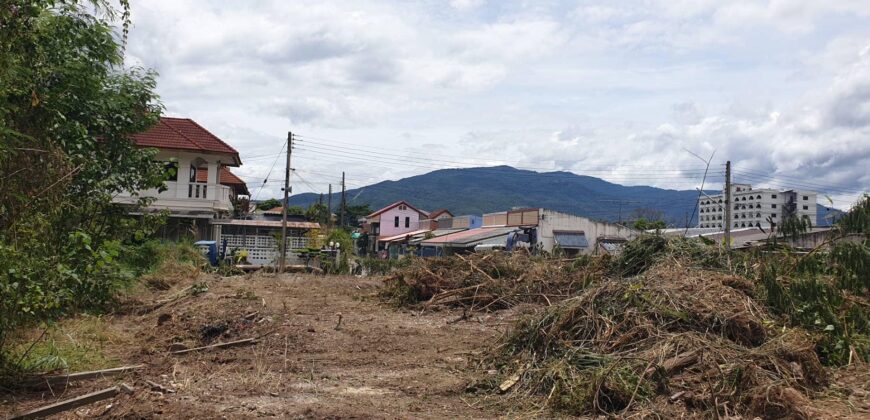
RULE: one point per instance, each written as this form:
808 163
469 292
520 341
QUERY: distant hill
489 189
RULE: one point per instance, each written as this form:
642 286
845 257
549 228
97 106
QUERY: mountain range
490 189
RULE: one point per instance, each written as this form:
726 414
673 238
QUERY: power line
770 180
806 184
470 161
329 142
352 156
270 170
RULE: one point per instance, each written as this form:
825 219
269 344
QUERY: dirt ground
380 362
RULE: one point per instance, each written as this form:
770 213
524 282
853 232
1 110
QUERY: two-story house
200 187
396 219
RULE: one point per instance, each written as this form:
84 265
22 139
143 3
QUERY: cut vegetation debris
490 281
672 332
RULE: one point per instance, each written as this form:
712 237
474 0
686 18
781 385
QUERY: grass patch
76 344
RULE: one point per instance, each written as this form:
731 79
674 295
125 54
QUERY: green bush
67 109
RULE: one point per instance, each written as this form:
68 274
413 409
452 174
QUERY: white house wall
175 197
554 221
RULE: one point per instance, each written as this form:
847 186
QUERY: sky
634 92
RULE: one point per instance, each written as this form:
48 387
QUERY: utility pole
728 206
329 210
343 200
283 261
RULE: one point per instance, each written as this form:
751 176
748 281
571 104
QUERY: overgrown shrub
67 109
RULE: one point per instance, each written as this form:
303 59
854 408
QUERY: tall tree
67 109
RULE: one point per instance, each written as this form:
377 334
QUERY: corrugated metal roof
470 236
571 240
402 235
267 223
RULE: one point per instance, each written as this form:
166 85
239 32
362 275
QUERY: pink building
395 219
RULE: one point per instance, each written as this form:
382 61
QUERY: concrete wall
750 210
179 197
495 219
552 220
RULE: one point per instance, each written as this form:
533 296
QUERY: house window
806 207
407 222
806 198
759 197
773 215
396 222
192 173
773 196
773 206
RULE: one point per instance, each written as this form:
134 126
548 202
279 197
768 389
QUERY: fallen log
78 376
217 346
72 403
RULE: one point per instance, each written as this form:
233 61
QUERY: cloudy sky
618 90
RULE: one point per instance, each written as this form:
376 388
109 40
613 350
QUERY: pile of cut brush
491 281
674 340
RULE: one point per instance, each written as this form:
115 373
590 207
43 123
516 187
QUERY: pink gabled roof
394 205
184 134
439 212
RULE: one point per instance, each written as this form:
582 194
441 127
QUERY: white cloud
776 86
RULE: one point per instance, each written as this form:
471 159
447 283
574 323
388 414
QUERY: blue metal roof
571 240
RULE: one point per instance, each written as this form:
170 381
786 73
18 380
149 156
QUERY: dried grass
490 281
672 331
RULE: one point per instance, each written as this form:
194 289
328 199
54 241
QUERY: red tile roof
227 177
184 134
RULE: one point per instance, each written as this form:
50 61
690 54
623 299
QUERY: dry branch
72 403
78 376
217 346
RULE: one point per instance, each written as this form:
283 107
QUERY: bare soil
380 362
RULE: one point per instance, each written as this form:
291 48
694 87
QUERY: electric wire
266 179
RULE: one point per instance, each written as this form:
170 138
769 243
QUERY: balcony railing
196 196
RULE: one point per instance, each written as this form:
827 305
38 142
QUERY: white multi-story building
199 186
756 207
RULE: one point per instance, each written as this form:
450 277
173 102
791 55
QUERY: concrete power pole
343 201
283 261
728 205
329 209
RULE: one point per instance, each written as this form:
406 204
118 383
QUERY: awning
266 223
571 240
402 236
